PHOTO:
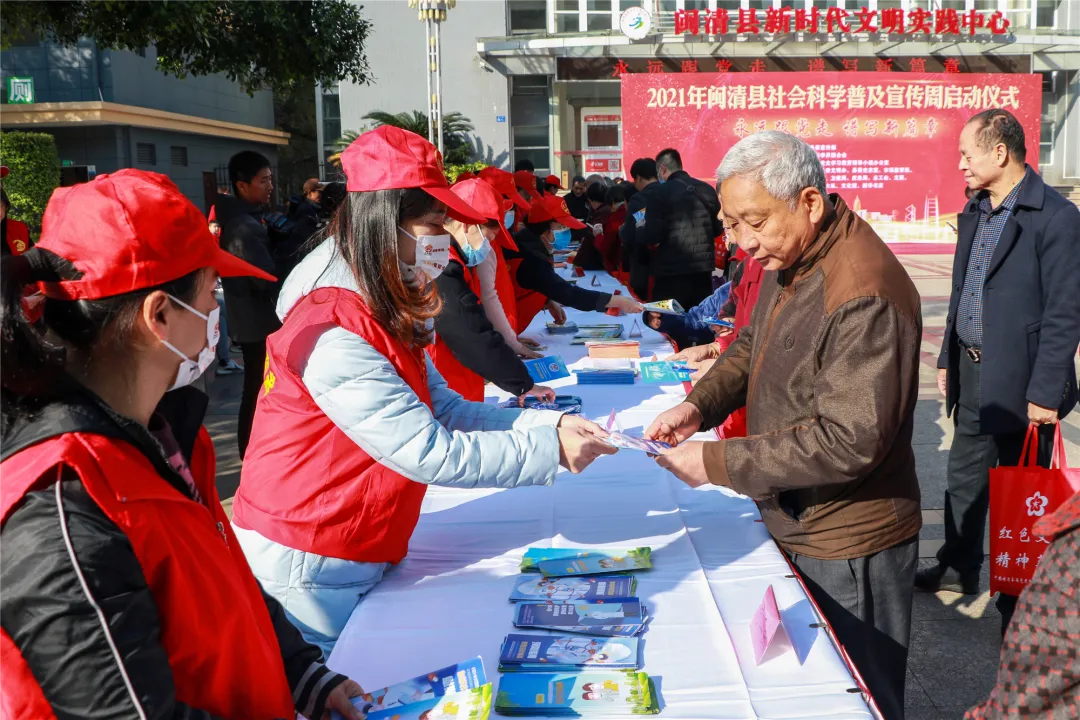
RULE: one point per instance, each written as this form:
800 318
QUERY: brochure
595 588
597 332
536 554
585 694
474 704
580 617
664 307
569 404
664 372
629 442
718 321
605 377
567 329
597 564
453 679
546 653
548 368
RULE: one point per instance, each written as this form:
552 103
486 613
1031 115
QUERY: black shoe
941 578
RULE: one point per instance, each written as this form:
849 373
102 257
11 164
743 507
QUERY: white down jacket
457 443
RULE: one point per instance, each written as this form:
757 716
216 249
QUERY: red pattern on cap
130 230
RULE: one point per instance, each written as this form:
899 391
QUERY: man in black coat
680 229
1010 337
636 258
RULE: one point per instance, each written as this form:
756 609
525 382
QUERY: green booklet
584 694
597 564
536 555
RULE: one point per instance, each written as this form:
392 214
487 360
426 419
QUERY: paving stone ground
955 639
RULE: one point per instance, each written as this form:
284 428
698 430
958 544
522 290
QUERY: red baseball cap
503 182
553 180
553 207
478 194
389 158
130 230
526 180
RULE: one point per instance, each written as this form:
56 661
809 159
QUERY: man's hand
675 425
570 422
526 353
652 320
686 462
696 354
625 303
721 331
700 369
339 700
557 313
942 375
540 392
530 342
1040 415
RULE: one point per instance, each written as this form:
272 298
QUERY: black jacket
636 255
1031 309
250 303
681 224
45 610
464 327
537 273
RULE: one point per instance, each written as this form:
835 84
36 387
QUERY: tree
456 128
35 173
275 45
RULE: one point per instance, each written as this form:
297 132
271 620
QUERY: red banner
888 142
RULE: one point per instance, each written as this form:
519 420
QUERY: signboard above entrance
918 22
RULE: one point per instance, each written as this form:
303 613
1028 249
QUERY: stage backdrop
888 141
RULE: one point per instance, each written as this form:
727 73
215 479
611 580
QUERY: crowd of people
368 328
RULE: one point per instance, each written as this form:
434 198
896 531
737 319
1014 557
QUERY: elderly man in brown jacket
829 372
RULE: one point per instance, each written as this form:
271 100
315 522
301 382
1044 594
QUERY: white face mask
189 369
432 254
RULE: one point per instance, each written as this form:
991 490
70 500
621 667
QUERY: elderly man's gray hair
781 162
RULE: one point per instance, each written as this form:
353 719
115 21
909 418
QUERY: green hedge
35 173
452 171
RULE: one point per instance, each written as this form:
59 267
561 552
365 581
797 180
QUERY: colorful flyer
664 307
474 704
597 564
548 368
664 372
547 653
596 588
453 679
583 694
535 555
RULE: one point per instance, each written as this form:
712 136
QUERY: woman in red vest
126 593
354 420
468 350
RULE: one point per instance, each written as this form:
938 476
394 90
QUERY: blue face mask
475 256
508 219
562 239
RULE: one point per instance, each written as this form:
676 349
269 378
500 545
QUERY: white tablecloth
712 563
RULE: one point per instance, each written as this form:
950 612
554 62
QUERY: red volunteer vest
529 302
305 484
215 627
17 235
504 286
459 378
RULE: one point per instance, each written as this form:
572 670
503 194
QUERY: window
598 15
528 16
567 16
1052 90
1046 12
146 153
179 155
529 117
331 117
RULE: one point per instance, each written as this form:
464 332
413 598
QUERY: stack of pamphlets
610 619
614 348
567 653
585 694
594 588
472 704
536 555
664 307
587 376
463 685
597 564
597 332
568 328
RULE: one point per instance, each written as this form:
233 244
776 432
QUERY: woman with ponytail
354 420
125 591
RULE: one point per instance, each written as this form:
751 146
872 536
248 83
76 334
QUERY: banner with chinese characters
888 142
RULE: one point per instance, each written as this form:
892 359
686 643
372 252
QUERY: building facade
110 109
541 79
